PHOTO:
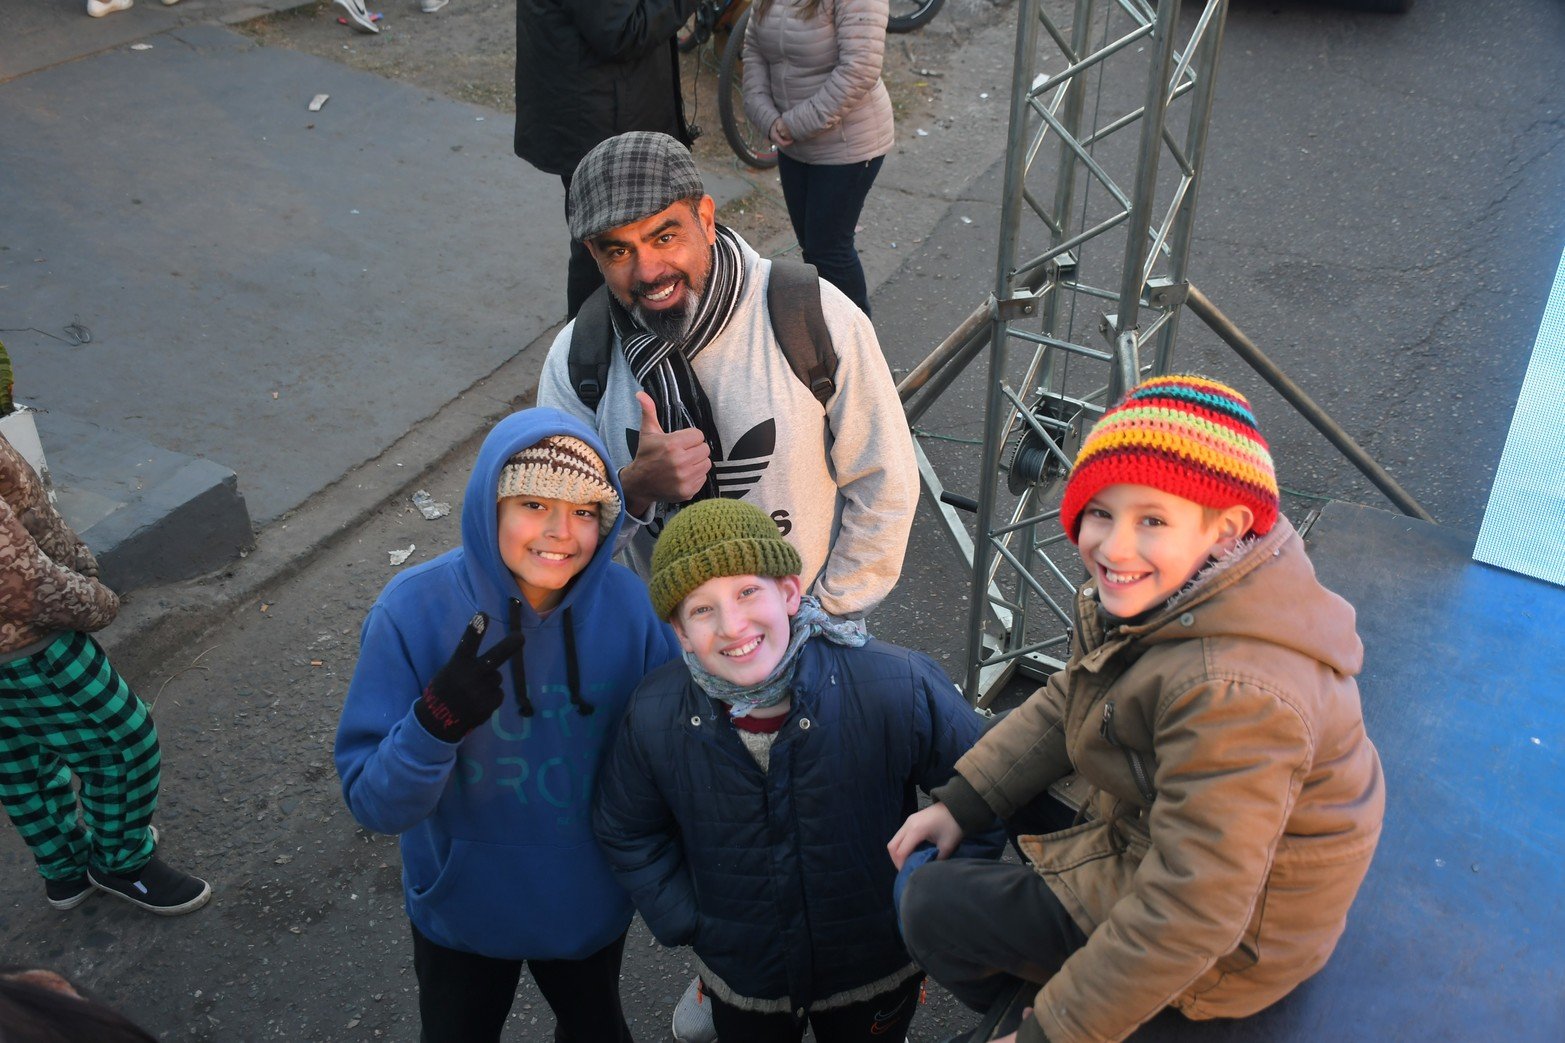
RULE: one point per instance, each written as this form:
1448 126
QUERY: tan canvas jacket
48 577
1235 798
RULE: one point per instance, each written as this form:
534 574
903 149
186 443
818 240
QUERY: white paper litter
400 556
317 101
429 507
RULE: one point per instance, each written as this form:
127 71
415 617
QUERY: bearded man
700 399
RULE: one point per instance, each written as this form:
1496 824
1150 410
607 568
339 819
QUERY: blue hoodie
498 856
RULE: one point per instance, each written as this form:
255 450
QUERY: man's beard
671 324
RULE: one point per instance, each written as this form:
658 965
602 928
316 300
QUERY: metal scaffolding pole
1088 291
1102 260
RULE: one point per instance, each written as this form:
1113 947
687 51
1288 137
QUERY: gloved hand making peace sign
467 689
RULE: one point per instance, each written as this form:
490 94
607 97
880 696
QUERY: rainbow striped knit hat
1185 435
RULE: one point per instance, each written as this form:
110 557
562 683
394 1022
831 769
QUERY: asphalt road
1381 213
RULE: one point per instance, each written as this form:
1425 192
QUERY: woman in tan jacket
1210 706
812 76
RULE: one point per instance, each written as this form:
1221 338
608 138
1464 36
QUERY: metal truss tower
1100 193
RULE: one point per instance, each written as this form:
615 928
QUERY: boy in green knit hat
751 789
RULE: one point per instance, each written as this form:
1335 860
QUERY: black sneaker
156 887
68 894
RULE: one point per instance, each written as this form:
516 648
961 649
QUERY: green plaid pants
65 711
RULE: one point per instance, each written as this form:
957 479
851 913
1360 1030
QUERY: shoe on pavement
68 894
99 8
359 15
157 887
431 6
693 1017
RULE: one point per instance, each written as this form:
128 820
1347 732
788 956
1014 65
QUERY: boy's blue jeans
978 927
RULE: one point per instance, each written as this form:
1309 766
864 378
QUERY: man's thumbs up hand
669 466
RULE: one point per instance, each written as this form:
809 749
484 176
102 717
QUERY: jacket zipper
1138 768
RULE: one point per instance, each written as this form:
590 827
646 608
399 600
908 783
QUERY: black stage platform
1459 931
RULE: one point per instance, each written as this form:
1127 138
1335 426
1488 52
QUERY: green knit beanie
714 538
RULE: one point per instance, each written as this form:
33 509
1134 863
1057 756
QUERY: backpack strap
793 303
592 338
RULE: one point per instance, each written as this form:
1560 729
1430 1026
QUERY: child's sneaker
359 15
68 894
157 887
693 1018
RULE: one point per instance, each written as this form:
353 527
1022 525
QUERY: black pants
824 203
979 927
464 997
582 277
876 1020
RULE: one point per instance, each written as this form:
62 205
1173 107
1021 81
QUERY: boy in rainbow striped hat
1233 799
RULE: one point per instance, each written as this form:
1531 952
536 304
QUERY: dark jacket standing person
812 77
587 70
750 790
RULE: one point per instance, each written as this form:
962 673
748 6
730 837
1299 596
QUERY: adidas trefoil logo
747 459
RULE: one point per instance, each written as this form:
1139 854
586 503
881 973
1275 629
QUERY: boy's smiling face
738 627
1141 544
545 543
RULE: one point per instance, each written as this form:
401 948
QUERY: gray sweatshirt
841 481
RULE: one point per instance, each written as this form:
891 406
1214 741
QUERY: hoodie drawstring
524 705
572 672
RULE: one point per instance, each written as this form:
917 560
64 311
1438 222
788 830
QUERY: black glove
467 689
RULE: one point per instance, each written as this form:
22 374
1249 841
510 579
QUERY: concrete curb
156 621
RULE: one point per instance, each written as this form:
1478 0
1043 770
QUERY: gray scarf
810 621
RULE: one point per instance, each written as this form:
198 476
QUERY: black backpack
793 303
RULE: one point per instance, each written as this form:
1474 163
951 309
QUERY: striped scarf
666 374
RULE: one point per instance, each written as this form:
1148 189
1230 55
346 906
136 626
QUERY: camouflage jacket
48 577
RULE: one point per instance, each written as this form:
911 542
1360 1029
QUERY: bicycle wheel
907 15
748 141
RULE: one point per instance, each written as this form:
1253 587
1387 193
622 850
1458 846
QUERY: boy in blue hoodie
484 760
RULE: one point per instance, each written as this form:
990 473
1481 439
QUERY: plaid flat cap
629 177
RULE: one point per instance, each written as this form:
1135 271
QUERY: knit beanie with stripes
562 468
1186 435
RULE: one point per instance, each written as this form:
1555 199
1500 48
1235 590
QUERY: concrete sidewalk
285 292
201 276
323 303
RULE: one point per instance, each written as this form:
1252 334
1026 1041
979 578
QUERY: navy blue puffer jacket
780 880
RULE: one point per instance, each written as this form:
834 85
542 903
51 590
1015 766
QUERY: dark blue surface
1459 930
